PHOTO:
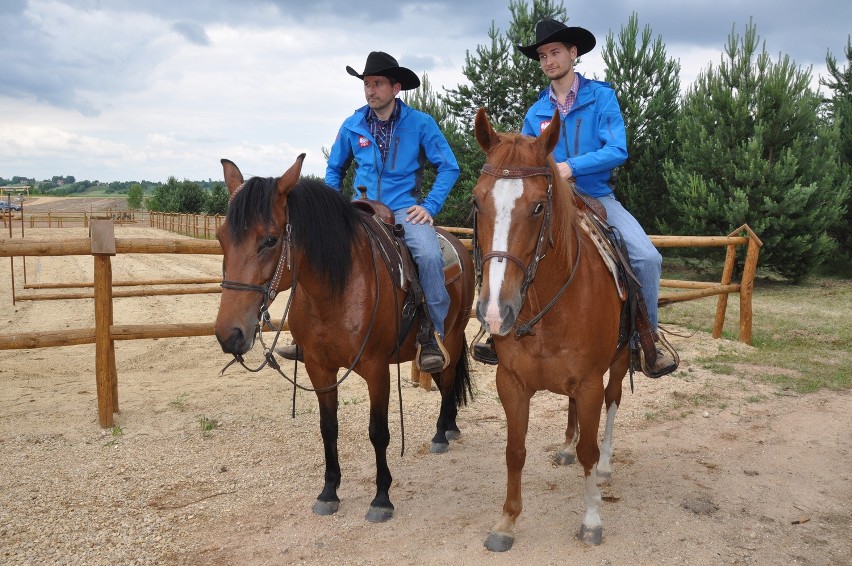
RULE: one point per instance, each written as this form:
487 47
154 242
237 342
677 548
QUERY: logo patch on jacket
543 126
363 142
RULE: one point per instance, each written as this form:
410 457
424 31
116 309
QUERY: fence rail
102 245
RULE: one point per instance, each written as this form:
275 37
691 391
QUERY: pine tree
839 115
457 208
752 149
648 87
502 79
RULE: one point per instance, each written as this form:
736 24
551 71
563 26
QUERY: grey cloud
192 31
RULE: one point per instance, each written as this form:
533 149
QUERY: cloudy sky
130 90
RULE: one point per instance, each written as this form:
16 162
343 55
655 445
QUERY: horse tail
462 386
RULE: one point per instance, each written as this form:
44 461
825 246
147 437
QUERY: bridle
270 291
545 238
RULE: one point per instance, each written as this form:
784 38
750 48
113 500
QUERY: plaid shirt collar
565 105
382 131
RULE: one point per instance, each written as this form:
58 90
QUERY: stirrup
433 350
662 366
483 352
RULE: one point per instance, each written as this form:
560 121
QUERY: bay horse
552 307
344 310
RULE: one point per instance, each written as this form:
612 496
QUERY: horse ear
485 134
233 177
550 136
291 176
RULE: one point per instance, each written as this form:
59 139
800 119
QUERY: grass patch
179 402
802 334
207 424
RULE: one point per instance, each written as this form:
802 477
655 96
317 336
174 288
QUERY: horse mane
324 224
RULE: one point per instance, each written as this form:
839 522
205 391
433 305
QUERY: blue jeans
645 260
422 240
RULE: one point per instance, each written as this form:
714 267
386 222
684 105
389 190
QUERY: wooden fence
102 244
195 225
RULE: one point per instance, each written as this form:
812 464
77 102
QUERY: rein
545 234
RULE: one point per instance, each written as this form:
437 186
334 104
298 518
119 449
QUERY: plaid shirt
381 131
565 106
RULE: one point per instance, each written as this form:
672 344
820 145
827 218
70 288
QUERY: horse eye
269 242
539 208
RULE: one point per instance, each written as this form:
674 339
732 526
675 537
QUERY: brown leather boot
660 359
432 357
484 352
291 352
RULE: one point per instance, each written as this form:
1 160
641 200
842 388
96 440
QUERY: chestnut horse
345 308
552 307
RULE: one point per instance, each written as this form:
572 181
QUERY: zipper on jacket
577 136
395 148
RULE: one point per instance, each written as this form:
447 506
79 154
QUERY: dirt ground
210 468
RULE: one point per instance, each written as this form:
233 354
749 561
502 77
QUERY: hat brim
579 37
407 78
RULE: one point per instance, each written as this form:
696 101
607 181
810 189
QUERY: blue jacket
593 140
397 182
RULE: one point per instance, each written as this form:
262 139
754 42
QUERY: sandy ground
204 468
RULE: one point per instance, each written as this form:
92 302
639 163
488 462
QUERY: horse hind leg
604 471
568 453
454 383
612 399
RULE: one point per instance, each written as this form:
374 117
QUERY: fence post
747 284
102 234
722 303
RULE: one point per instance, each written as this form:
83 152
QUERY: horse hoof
453 434
603 478
378 514
326 507
565 458
499 543
591 536
439 448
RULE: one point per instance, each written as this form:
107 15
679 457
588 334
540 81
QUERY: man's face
379 92
556 59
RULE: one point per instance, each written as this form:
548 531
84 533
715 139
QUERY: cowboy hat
381 64
549 31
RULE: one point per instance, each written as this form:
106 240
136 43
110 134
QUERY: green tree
457 207
503 80
752 149
174 196
648 86
217 200
134 196
839 115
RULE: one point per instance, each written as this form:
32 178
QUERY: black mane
324 223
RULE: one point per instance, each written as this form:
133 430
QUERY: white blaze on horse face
505 194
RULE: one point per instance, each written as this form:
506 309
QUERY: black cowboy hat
549 31
381 64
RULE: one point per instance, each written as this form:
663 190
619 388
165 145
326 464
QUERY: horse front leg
381 508
588 416
327 502
516 405
568 453
612 400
